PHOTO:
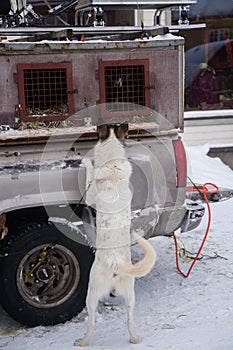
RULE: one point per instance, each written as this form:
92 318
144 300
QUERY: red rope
204 190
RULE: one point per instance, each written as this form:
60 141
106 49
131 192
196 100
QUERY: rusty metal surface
47 46
40 137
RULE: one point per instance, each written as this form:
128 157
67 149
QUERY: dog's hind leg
92 303
98 287
125 288
92 300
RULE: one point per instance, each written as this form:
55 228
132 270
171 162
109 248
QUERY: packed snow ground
171 312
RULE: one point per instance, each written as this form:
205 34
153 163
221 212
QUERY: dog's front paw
135 340
81 342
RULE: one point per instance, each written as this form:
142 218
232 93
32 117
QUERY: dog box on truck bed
50 80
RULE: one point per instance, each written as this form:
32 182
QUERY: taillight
181 163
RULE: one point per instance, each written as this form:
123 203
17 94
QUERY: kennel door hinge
15 78
18 110
72 92
97 74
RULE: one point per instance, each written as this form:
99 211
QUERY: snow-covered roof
155 41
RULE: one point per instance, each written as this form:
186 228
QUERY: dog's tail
144 266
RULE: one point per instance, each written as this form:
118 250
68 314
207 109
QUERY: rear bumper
193 216
195 210
170 219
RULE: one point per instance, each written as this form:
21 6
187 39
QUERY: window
209 56
126 82
45 91
218 34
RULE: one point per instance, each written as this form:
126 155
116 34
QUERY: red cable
203 189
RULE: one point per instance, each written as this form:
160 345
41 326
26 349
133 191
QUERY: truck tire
44 278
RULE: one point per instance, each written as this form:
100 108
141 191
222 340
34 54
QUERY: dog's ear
122 131
103 132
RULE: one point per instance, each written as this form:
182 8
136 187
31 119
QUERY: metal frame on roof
132 4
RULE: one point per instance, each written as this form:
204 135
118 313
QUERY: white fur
112 268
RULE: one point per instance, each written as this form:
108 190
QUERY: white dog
111 194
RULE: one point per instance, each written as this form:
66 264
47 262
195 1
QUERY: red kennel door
45 91
124 81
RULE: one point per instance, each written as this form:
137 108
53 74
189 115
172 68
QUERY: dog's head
120 131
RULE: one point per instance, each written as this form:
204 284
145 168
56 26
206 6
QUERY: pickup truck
48 231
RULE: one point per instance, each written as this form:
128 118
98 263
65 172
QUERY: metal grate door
125 82
45 91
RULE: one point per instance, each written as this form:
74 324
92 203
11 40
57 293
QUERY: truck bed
43 168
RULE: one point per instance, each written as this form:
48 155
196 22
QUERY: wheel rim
48 275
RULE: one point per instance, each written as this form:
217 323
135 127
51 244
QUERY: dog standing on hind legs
109 191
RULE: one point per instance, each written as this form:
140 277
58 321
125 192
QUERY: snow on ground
171 312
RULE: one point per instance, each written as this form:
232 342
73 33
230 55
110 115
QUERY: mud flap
3 227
